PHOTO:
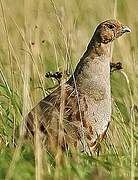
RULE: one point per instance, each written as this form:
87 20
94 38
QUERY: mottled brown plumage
87 105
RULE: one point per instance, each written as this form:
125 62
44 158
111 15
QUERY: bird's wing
47 112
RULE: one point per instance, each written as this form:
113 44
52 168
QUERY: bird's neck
94 50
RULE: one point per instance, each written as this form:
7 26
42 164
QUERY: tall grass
40 36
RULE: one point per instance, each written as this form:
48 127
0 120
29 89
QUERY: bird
77 114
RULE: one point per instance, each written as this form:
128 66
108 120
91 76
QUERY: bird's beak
125 29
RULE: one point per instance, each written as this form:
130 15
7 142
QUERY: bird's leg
96 145
115 66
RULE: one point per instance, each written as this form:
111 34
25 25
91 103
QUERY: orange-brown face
108 30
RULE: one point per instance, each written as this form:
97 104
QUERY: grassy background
40 36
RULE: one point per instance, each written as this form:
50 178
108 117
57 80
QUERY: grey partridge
87 97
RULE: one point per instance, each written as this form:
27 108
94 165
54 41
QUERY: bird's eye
110 26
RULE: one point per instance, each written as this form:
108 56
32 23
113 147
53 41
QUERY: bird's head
109 30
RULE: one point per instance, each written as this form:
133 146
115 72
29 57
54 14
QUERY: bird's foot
115 66
56 75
